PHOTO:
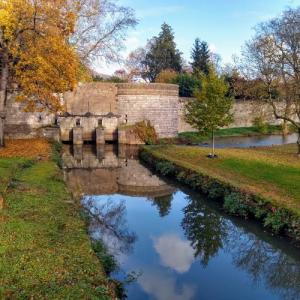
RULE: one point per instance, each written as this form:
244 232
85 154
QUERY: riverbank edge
107 262
95 283
195 138
234 200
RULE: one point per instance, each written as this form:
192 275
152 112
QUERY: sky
224 24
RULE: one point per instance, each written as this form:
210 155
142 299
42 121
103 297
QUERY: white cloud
174 252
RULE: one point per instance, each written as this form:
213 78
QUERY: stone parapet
147 89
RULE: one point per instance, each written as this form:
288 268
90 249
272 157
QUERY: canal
179 245
252 141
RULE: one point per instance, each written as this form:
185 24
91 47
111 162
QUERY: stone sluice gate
104 112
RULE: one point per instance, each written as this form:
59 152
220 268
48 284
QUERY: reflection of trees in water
263 262
205 228
163 204
208 232
108 223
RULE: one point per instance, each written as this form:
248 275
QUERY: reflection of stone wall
108 170
92 181
135 179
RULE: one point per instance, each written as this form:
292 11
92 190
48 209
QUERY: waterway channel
253 141
180 245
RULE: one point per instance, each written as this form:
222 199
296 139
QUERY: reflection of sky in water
232 261
174 252
254 141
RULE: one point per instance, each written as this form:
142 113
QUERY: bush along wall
235 201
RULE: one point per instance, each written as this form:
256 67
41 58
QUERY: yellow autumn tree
36 57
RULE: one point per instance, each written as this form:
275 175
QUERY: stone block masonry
111 105
119 104
157 103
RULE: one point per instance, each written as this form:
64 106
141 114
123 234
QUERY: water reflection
184 247
164 287
163 204
182 253
109 169
205 228
264 262
253 141
108 223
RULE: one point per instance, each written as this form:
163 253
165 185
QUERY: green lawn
196 138
271 172
45 251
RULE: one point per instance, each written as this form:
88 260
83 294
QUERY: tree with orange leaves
36 58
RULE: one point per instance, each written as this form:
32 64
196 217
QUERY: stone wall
96 97
157 103
244 112
21 124
119 104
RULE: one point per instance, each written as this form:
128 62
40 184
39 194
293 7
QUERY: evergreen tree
200 57
162 54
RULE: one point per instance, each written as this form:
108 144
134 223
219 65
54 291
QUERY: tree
166 76
45 46
272 57
134 64
100 29
211 107
36 59
162 54
188 84
200 57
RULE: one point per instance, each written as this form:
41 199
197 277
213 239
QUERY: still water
181 245
253 141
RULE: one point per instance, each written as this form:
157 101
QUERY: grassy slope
45 252
195 137
271 172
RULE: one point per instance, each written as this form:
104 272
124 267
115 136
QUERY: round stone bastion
155 102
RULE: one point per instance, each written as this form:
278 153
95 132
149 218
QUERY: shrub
277 220
188 85
261 125
233 204
166 76
108 261
146 132
165 168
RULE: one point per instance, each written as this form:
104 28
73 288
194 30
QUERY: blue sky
224 24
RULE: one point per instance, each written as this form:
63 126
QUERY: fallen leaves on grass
32 148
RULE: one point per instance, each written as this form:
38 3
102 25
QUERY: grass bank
196 138
45 251
263 183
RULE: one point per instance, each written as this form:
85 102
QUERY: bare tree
272 58
134 63
101 29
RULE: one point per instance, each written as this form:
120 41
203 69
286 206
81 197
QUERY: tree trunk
213 143
285 128
3 93
298 142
